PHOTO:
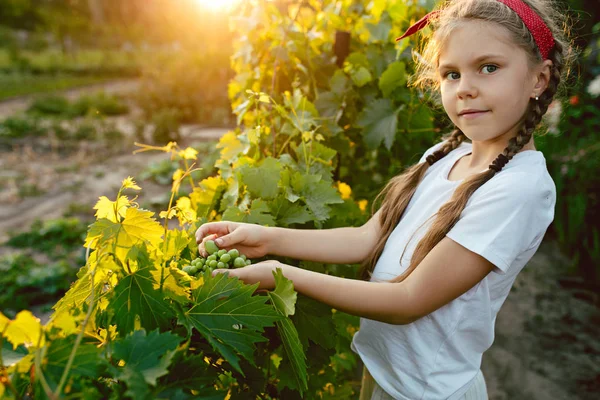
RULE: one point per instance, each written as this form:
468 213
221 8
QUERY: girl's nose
466 88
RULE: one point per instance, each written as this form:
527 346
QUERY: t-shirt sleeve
505 217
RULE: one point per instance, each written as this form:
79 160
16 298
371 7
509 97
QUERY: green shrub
50 105
166 123
53 237
17 127
194 84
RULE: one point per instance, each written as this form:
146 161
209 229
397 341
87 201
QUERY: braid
534 113
452 142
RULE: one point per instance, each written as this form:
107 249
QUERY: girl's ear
541 78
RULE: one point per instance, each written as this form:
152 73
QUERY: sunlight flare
218 5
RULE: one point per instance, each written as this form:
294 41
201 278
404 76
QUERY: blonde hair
400 189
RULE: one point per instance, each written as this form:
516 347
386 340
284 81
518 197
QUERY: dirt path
547 342
12 106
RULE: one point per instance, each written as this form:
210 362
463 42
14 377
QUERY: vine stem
63 378
38 368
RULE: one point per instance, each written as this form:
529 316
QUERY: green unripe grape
211 247
243 256
187 269
193 270
225 258
211 257
239 262
234 253
213 263
201 262
221 252
248 262
221 265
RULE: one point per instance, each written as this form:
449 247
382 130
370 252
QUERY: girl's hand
250 239
260 272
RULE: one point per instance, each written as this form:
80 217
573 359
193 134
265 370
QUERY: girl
453 231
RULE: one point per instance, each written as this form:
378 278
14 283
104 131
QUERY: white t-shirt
438 356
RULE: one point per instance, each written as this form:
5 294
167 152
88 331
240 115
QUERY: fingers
201 249
229 240
218 228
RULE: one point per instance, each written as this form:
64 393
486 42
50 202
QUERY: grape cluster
217 258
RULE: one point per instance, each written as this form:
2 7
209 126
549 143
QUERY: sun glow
218 5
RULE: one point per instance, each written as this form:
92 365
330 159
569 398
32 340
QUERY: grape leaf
231 146
283 298
175 242
138 226
262 181
316 193
380 31
12 356
146 357
379 120
320 157
295 353
393 77
170 283
86 362
229 317
179 372
206 194
24 329
312 318
135 297
81 289
287 213
259 213
106 208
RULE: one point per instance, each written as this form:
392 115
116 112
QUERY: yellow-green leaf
24 329
231 146
189 153
129 183
105 208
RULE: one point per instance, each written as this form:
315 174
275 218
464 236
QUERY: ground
547 342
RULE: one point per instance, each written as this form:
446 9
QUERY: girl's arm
447 272
335 246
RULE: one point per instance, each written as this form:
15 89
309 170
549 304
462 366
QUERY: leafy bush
42 268
99 104
55 237
26 283
193 84
17 127
166 123
54 105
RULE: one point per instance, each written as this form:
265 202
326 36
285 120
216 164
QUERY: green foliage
99 104
40 270
362 110
53 237
27 282
17 127
166 123
572 150
191 87
22 84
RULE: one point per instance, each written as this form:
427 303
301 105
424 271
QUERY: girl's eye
488 66
452 75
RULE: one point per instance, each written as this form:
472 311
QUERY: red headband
539 30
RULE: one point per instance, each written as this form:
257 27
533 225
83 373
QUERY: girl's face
481 70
